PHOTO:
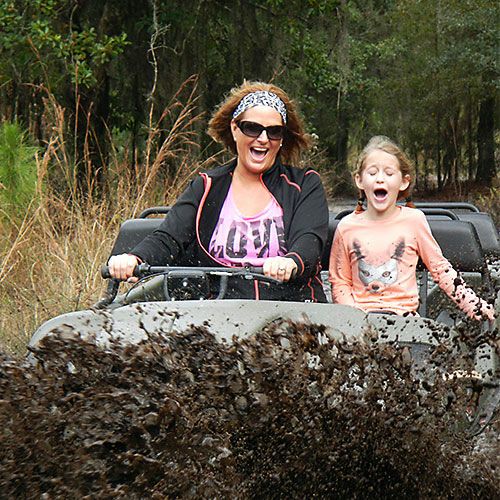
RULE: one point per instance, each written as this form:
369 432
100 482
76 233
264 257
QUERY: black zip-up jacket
185 234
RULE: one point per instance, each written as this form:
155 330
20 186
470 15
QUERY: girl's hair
383 143
295 139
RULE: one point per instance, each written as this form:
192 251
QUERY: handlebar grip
256 269
260 270
105 274
138 271
141 269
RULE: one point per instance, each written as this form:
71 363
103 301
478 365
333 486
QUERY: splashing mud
278 415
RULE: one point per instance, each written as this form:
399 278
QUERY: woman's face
257 154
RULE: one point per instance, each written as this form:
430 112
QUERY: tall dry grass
50 258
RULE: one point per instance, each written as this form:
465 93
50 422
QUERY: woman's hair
295 139
383 143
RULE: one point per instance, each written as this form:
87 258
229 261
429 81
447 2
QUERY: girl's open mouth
380 194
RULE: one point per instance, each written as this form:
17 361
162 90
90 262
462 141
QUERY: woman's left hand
279 268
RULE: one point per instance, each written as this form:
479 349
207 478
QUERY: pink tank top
240 240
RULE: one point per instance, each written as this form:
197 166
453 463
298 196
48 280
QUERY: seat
333 222
459 243
458 239
132 232
486 231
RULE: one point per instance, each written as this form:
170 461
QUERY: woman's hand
122 267
279 268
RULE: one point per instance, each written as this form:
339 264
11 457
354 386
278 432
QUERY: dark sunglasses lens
275 132
252 129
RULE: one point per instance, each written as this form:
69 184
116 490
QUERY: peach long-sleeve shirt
373 265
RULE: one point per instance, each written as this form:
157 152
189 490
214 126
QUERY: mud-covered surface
279 415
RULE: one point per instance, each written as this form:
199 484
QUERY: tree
443 68
63 48
423 72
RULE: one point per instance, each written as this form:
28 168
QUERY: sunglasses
252 129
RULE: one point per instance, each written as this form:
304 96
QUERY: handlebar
449 205
143 270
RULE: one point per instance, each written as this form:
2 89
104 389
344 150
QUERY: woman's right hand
122 266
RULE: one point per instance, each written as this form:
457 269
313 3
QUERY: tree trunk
92 140
471 160
417 177
438 152
342 135
486 168
342 140
426 171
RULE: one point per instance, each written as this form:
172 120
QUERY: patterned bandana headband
261 98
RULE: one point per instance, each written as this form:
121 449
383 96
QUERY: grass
51 254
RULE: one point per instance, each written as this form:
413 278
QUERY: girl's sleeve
340 272
447 278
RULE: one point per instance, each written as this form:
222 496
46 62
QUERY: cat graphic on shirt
378 278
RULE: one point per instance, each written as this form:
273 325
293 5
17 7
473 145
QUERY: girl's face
257 154
381 180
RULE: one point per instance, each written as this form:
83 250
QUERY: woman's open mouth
258 154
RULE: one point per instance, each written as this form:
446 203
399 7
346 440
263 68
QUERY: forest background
104 106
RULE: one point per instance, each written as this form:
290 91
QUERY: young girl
375 251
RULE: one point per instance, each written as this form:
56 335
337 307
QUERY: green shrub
18 170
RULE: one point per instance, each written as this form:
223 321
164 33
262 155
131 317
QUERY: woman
252 211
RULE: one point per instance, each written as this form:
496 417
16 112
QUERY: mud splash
279 415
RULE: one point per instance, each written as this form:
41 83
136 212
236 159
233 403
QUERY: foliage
425 72
49 259
444 66
43 35
18 170
96 84
490 202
